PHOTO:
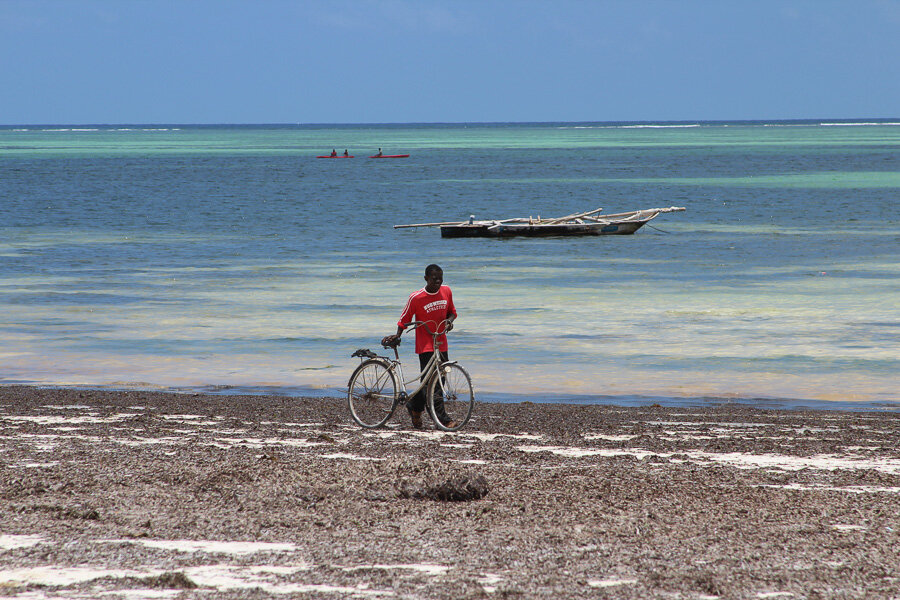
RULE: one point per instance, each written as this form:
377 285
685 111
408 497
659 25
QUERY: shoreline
629 400
151 494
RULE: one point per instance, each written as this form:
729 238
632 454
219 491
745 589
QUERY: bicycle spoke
451 398
372 394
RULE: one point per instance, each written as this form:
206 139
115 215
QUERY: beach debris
170 580
78 512
460 488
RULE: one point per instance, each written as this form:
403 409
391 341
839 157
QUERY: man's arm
451 310
405 317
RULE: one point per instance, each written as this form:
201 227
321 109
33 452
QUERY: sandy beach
158 495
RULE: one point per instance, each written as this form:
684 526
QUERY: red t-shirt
431 308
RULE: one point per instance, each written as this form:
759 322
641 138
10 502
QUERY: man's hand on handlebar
391 341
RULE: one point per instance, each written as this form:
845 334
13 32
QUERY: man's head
434 277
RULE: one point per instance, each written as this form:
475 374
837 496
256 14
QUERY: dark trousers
417 401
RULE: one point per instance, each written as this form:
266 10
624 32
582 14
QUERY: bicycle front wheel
451 398
372 393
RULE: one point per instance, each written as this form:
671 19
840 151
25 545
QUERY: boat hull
524 230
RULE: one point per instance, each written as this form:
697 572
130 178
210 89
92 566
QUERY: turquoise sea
229 258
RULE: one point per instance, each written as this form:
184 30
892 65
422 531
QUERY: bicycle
377 387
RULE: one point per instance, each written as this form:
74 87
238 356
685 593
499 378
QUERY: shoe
416 417
451 424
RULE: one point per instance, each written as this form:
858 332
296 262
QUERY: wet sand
156 495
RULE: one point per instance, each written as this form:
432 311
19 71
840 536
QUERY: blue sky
388 61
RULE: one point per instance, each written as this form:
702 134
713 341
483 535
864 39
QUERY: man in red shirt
432 304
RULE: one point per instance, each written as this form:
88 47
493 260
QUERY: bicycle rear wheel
451 398
372 393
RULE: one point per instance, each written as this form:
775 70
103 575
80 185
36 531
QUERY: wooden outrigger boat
585 223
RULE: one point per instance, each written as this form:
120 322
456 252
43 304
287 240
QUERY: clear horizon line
384 123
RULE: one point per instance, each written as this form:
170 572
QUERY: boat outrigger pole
552 224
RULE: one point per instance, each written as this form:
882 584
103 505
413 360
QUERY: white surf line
196 420
73 420
208 546
47 443
263 443
428 435
218 431
489 581
264 577
855 489
728 428
823 462
53 575
40 442
247 431
141 441
129 594
848 527
461 435
720 424
192 418
719 434
605 583
490 437
426 568
279 424
571 452
346 456
402 437
11 542
219 577
380 434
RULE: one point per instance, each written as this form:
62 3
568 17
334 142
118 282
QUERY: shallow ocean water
232 258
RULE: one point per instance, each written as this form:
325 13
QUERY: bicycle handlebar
444 323
392 341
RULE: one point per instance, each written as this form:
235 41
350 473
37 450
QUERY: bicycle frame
426 374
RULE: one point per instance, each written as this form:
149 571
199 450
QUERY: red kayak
338 156
391 156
